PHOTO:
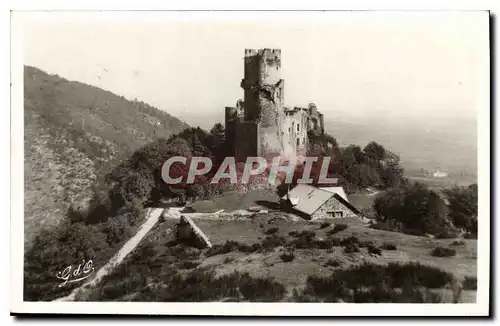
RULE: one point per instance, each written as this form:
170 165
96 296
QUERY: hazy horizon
400 78
365 64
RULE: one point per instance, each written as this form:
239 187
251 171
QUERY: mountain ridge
74 133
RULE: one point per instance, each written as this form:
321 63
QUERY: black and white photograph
220 163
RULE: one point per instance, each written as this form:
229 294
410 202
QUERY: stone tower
263 99
260 125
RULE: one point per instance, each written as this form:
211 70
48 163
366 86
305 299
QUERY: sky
389 64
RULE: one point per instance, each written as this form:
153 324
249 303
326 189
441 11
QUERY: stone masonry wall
264 98
246 141
330 206
277 131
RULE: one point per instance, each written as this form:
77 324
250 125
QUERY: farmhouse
318 203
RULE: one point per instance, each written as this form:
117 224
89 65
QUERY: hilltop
74 133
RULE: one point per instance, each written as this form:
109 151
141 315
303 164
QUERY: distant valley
424 145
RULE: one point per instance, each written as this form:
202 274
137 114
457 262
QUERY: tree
415 207
218 138
354 152
53 250
392 173
463 203
138 186
389 205
375 151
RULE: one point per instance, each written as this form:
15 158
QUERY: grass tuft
443 252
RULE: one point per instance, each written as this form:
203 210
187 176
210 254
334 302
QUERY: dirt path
152 218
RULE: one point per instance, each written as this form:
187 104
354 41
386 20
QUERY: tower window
298 127
298 141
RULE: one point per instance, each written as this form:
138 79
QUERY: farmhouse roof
307 199
336 190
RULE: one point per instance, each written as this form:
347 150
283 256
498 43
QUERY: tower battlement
262 52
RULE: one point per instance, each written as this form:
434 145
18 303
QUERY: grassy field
409 247
161 261
232 201
441 183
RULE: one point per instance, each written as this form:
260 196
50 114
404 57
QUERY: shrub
293 233
443 252
136 208
336 242
115 291
300 243
337 228
181 251
55 249
222 249
261 225
189 264
417 274
446 233
349 240
381 293
333 262
272 242
378 283
470 283
202 285
374 250
470 236
351 248
268 243
261 289
306 242
249 248
322 244
287 256
324 225
366 244
271 231
389 246
457 243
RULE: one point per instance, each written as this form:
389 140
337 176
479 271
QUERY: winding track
152 218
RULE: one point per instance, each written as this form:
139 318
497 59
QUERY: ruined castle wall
264 91
295 132
231 118
316 123
250 84
246 140
260 125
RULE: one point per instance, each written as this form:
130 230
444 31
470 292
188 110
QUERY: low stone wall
188 231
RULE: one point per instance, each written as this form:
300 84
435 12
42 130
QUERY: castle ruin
261 124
